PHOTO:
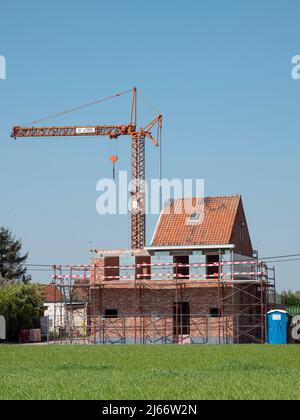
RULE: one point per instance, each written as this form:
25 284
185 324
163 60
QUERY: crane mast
138 152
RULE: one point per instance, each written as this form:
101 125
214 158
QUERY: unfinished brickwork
177 310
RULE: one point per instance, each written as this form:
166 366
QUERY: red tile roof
217 216
52 294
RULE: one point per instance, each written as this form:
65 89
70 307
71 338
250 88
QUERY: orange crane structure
137 141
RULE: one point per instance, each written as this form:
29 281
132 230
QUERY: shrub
20 305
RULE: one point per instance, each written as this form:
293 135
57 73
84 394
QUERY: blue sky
220 72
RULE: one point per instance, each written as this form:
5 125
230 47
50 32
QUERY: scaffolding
240 300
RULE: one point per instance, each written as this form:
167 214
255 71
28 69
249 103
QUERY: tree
21 306
11 259
291 299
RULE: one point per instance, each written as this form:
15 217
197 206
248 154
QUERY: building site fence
293 310
161 329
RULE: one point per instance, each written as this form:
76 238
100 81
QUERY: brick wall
155 317
244 246
154 301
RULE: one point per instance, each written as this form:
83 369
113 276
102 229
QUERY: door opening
181 318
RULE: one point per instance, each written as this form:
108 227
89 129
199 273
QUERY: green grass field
149 372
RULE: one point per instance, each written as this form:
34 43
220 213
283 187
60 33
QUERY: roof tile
215 225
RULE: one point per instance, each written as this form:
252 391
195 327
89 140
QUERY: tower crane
137 169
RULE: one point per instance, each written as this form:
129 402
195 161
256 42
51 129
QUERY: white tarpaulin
85 130
2 328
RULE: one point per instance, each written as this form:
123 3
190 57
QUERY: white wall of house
57 316
79 316
56 313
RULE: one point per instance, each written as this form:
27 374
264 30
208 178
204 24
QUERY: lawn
149 372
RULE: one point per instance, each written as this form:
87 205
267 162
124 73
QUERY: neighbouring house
54 307
64 311
199 280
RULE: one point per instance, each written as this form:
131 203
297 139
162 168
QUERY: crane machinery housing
137 169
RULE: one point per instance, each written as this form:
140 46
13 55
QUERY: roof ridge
208 196
174 200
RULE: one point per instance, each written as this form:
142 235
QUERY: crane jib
97 130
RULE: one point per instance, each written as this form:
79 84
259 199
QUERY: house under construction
198 282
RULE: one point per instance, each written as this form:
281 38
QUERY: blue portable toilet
277 327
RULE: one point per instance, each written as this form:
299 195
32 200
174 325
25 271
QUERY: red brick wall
149 303
157 301
97 273
160 301
243 247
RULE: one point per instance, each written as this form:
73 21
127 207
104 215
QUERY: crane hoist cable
113 154
78 108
